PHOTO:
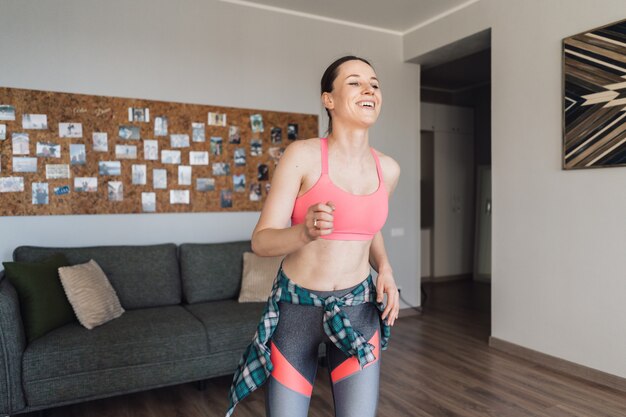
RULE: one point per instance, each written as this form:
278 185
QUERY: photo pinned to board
197 132
276 153
48 150
62 190
239 183
292 131
170 157
199 158
148 202
159 179
262 172
112 168
240 156
24 164
184 175
216 119
221 168
256 123
151 150
276 135
138 114
139 174
70 130
85 184
160 126
40 193
179 196
78 155
11 184
7 112
100 141
3 132
216 145
20 143
234 134
129 132
205 184
57 171
256 148
179 141
115 191
125 151
255 191
35 121
226 198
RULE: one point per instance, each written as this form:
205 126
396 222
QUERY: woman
335 190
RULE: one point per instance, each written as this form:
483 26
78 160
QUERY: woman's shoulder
302 148
388 163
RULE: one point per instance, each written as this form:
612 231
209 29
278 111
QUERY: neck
349 142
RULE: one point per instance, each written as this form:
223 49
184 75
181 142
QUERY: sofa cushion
259 274
88 386
90 293
43 304
148 336
142 276
212 271
229 324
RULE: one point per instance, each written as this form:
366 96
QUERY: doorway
455 146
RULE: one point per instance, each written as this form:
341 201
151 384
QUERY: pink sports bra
356 217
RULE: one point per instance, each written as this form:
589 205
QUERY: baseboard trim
409 311
558 364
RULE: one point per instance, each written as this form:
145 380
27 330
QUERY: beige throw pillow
90 293
259 273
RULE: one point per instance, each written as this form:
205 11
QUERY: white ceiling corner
396 17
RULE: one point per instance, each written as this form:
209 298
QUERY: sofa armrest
12 345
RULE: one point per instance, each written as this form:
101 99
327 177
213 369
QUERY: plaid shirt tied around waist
255 365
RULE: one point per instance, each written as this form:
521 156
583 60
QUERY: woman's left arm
385 283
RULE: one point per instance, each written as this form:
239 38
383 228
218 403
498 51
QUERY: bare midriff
329 265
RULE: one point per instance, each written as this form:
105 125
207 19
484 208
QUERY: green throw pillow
43 301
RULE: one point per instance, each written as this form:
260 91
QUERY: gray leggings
295 345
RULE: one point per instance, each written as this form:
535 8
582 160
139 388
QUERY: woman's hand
319 220
385 284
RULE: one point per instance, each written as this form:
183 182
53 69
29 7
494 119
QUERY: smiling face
356 98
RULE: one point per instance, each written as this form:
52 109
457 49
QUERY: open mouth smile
367 104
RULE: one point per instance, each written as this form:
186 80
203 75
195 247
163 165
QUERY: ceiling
455 67
393 16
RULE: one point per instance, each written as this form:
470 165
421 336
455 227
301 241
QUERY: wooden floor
438 364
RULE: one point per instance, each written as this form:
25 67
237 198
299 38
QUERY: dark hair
329 78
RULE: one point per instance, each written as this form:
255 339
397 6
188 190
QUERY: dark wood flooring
438 364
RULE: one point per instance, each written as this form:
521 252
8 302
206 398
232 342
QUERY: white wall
207 52
454 205
559 238
454 199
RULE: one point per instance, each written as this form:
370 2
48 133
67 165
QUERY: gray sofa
182 323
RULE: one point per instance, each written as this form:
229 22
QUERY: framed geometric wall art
594 98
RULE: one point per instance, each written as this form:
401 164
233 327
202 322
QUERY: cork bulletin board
63 153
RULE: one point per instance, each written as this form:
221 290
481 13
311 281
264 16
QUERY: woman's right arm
272 235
